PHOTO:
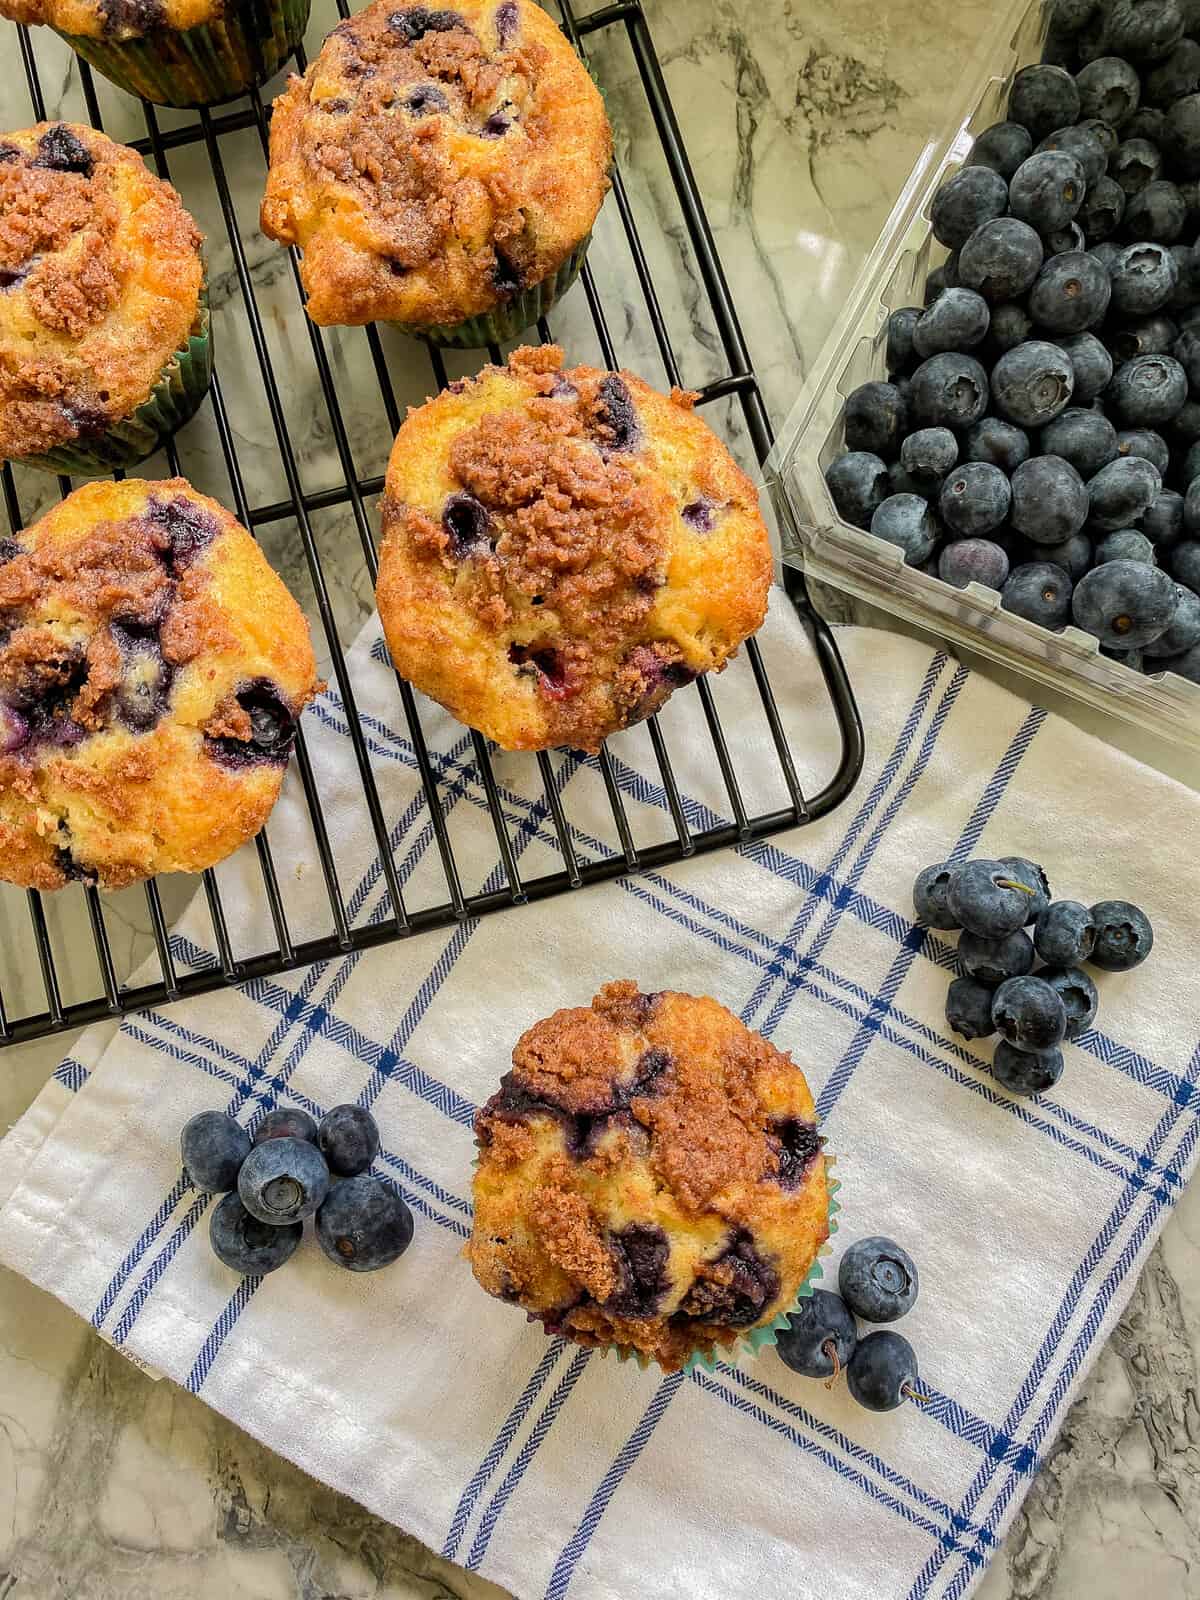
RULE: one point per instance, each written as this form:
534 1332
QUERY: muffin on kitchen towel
650 1179
441 169
175 52
152 671
105 347
560 1471
562 549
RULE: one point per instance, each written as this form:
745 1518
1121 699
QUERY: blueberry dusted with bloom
820 1336
1084 438
993 960
1084 145
1026 1072
1073 555
1184 561
1010 326
876 419
1049 500
1147 390
1143 278
1102 210
990 899
1002 147
1184 630
1047 190
1079 996
348 1138
1029 1013
1156 212
975 499
998 442
1124 604
967 561
1109 89
1034 879
900 328
1033 383
931 895
286 1122
1134 164
283 1181
1121 492
969 1008
878 1280
245 1244
949 390
858 483
929 453
1064 933
1127 544
213 1147
1148 444
1162 520
1001 259
1071 293
972 197
906 521
363 1225
1124 937
957 320
883 1371
1040 592
1043 98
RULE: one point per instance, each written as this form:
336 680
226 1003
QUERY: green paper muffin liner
172 401
754 1339
508 321
201 66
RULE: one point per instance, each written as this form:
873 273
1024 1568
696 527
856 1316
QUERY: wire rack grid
111 994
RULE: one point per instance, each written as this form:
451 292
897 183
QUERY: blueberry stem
909 1393
1010 883
830 1349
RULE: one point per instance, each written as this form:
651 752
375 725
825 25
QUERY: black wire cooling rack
113 996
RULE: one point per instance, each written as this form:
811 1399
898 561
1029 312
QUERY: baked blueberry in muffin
104 343
562 549
175 52
152 670
650 1176
440 168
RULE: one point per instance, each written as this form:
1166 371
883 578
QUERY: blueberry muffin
650 1176
562 549
104 334
152 668
440 169
175 52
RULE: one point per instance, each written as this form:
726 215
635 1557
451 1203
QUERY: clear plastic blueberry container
1069 664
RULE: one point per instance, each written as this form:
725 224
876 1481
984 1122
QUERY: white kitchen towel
559 1472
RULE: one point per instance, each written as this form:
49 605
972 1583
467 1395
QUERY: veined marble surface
802 118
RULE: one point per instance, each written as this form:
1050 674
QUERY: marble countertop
802 118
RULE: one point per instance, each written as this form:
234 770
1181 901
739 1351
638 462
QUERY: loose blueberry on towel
990 898
1029 1013
283 1181
931 895
1026 1071
969 1008
363 1225
213 1147
993 960
348 1138
883 1371
1065 933
878 1280
247 1245
1124 937
286 1122
820 1336
1078 994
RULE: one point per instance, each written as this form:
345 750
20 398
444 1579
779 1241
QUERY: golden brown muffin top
563 548
112 19
650 1176
152 670
432 162
100 277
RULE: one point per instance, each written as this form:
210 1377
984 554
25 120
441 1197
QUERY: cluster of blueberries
993 903
1039 430
877 1281
285 1173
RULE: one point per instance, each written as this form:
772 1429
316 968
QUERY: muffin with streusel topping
175 52
441 169
650 1177
152 670
104 334
562 549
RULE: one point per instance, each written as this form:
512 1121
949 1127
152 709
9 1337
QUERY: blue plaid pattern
834 951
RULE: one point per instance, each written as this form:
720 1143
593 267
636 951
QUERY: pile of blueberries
878 1282
287 1172
993 903
1039 431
